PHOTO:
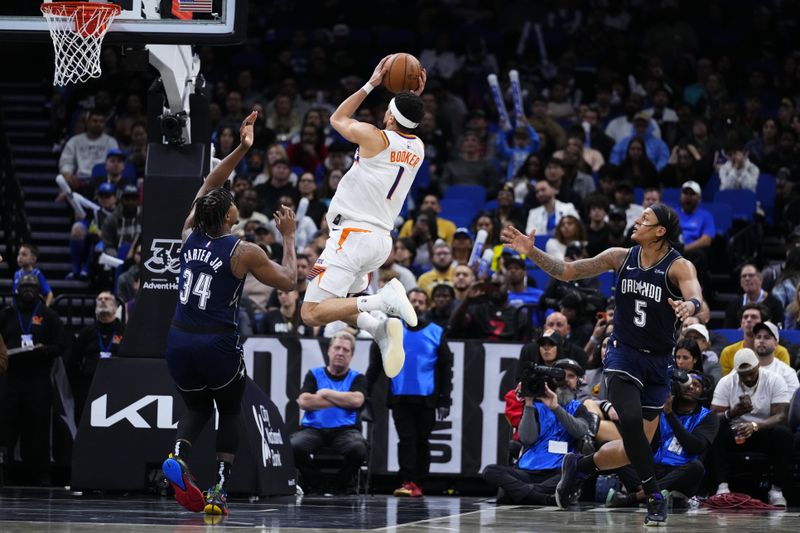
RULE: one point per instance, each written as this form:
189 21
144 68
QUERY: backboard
196 22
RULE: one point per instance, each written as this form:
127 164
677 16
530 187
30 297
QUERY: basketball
403 73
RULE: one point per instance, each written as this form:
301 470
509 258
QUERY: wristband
368 87
697 305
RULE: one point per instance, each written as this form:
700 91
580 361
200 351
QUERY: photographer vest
538 456
331 417
671 453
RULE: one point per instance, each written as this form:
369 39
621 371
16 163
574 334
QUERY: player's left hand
423 77
516 240
379 72
246 130
285 221
683 309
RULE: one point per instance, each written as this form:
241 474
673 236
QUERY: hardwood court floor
59 511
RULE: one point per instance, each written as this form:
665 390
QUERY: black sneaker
569 486
657 509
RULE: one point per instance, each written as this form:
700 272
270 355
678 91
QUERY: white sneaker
723 489
395 302
775 497
389 337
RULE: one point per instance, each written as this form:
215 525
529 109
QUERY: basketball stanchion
77 30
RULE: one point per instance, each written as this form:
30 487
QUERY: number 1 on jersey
396 182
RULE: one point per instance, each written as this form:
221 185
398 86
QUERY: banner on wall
482 374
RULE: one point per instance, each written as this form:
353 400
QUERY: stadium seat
638 195
731 335
474 194
711 188
99 171
791 335
723 216
459 211
742 202
606 280
542 278
671 195
540 241
765 195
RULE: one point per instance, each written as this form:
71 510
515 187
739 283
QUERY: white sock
373 302
368 323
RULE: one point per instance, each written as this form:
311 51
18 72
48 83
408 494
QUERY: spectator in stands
303 265
636 168
545 217
708 358
593 132
596 207
462 245
623 126
576 306
687 431
85 150
623 199
684 164
569 229
750 283
528 174
603 327
278 185
405 275
307 188
311 153
552 135
225 140
85 234
761 148
34 334
697 227
688 356
404 253
100 340
285 321
485 313
655 149
514 146
27 259
437 147
507 212
664 116
125 282
445 229
124 226
555 172
418 395
786 283
559 323
516 279
592 158
765 340
442 271
752 404
114 173
275 152
306 229
444 303
738 172
331 397
792 315
463 278
137 150
574 177
423 238
750 314
247 202
284 119
544 420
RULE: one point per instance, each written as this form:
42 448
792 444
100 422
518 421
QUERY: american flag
196 6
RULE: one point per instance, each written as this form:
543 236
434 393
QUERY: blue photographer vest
537 456
671 453
418 377
331 417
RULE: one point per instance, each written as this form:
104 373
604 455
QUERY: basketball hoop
77 29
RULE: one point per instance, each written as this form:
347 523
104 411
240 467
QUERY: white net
77 30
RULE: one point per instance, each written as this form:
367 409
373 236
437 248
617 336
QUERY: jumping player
656 290
361 215
203 352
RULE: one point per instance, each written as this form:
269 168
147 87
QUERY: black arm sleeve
576 427
309 384
698 440
444 373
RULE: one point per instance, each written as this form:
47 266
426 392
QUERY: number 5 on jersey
202 288
640 308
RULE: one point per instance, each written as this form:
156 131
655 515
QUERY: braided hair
668 218
210 210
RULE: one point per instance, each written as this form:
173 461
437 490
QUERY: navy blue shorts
197 361
648 371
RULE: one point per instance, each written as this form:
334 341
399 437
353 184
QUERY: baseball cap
551 335
616 212
642 115
701 329
263 228
463 231
130 190
692 186
515 258
107 188
572 364
769 326
624 184
745 360
116 152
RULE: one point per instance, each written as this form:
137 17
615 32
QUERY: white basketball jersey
375 188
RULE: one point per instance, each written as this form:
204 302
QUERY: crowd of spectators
621 98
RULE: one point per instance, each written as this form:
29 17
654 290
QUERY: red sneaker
416 491
183 483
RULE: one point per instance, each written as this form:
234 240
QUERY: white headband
398 116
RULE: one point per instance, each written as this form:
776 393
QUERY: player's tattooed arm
610 259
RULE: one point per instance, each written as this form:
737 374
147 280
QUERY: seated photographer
552 424
752 404
331 397
685 433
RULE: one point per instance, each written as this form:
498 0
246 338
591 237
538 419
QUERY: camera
679 380
533 378
172 125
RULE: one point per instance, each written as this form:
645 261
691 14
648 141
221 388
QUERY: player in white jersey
361 215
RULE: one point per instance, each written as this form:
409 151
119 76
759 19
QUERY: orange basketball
403 73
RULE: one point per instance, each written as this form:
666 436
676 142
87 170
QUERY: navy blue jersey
643 318
209 292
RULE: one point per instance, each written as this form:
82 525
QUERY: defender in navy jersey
203 353
656 290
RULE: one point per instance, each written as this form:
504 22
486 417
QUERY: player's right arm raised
610 259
